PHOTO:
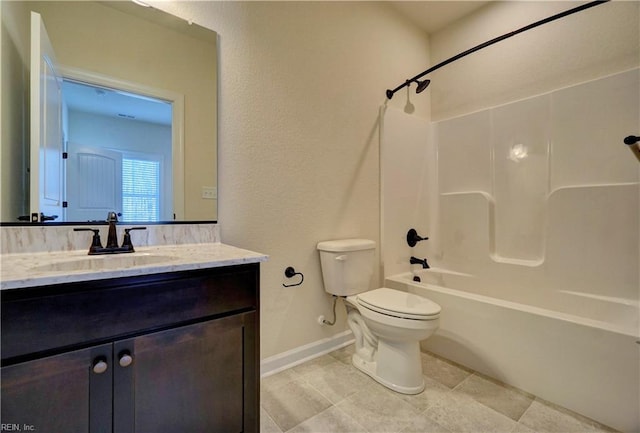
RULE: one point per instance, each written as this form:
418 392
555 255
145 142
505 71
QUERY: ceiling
432 16
115 103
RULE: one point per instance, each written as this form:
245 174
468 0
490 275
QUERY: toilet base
402 374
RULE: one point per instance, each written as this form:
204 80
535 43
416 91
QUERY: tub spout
417 261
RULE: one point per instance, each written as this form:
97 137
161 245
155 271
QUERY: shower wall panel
592 242
589 122
520 141
547 183
466 230
466 159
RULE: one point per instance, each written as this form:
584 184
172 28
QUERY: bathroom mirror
124 48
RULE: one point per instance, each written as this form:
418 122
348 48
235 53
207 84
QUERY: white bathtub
579 351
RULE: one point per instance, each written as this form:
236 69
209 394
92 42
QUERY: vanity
165 339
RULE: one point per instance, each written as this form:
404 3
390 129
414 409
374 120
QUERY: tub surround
531 208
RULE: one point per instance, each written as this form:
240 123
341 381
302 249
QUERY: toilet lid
399 304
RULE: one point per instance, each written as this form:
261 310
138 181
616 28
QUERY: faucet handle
126 242
96 243
413 238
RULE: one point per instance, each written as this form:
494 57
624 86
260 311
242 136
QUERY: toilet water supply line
360 330
322 320
366 343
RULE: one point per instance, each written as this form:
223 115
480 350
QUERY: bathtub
577 350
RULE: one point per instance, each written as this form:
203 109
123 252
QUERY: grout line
462 381
525 411
271 418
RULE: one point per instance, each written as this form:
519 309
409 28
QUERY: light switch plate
209 192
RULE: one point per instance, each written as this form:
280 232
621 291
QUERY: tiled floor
328 395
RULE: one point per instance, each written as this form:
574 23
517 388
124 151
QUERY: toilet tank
347 265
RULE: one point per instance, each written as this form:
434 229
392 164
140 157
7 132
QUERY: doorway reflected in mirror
119 154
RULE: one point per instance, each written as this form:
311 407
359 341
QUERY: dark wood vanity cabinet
175 352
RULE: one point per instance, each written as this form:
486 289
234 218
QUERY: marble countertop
49 268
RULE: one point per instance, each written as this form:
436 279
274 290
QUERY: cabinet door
187 379
57 393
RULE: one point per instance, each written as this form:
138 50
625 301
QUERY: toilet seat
399 304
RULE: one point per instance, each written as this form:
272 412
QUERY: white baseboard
282 361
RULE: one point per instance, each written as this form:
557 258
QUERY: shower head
422 85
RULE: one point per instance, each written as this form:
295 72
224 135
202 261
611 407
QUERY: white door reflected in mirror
46 184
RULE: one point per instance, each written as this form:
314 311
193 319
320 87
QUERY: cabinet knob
100 366
125 359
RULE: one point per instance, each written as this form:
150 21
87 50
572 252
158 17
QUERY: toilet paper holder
290 272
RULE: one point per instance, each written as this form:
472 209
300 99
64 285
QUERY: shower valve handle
413 238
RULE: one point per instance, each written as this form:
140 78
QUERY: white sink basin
104 262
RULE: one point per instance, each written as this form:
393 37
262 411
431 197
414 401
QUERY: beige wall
96 38
301 84
581 47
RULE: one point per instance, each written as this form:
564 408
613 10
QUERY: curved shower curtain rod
425 83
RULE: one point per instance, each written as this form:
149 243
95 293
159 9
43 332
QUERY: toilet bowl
387 324
399 321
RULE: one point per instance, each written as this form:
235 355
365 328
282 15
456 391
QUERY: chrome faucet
417 261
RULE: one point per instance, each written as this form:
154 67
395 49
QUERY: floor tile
424 424
329 395
278 379
332 420
337 381
460 413
433 392
521 428
344 354
314 364
443 371
377 410
267 425
290 404
548 418
502 398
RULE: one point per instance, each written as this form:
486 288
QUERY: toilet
387 324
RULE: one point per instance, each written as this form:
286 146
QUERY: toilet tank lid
342 245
